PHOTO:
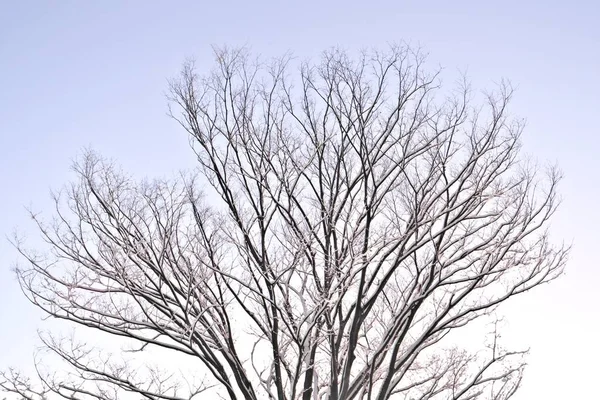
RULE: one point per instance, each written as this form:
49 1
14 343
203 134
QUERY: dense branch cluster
354 217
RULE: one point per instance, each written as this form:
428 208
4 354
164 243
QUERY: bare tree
355 215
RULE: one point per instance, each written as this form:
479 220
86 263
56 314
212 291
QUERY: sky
83 74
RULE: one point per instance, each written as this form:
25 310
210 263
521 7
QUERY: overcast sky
76 74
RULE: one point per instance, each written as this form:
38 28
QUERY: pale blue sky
80 73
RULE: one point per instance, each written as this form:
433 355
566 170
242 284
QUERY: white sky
77 74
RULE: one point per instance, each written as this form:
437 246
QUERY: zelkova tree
355 214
